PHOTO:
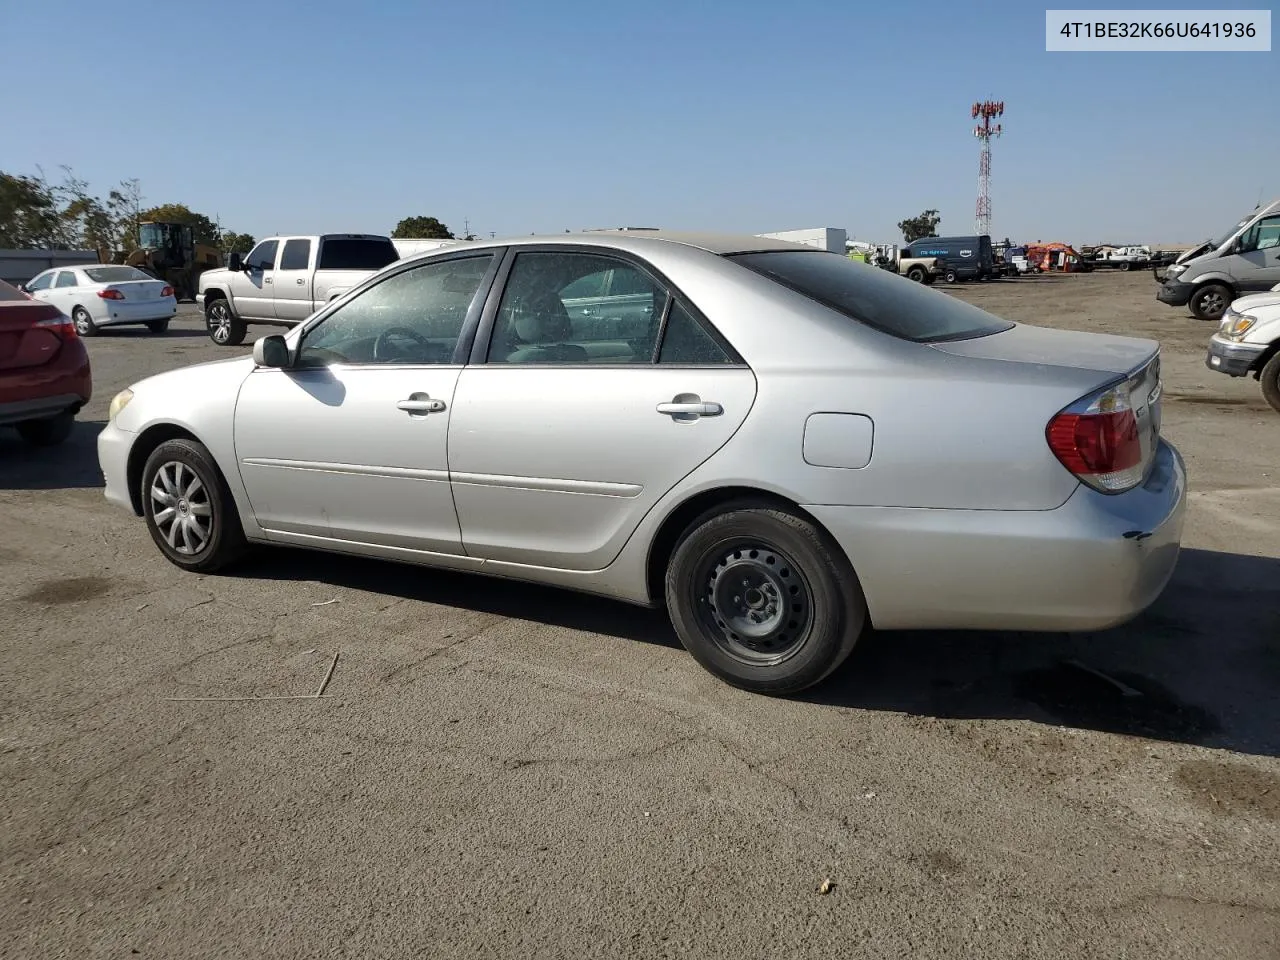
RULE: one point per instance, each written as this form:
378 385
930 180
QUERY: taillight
167 291
111 294
1098 440
60 326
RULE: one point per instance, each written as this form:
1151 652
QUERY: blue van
959 258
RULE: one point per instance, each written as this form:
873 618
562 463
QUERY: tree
240 243
203 229
421 228
925 225
28 212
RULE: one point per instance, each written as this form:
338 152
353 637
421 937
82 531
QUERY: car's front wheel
1210 302
1269 376
225 328
189 510
763 599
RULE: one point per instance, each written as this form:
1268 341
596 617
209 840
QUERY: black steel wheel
764 599
1210 302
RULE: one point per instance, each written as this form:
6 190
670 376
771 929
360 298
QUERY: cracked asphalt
498 770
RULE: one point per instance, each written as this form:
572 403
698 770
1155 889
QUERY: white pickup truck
284 280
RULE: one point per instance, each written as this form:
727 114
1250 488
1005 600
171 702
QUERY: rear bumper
1095 562
38 409
111 312
63 384
1233 359
113 460
1174 293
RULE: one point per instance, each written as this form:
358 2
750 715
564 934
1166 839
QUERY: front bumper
1233 359
113 460
1095 562
1175 293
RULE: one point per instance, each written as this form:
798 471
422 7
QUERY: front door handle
266 279
420 403
300 281
686 407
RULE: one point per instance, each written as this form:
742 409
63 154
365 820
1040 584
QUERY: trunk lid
22 343
1101 353
138 291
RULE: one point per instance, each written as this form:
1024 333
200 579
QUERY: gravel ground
504 771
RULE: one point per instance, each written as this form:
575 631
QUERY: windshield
889 303
114 274
1215 244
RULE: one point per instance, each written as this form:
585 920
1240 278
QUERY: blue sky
541 116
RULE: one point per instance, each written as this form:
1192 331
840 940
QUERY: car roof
633 240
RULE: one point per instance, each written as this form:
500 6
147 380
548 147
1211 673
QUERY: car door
252 289
40 286
63 292
292 280
1256 262
568 427
349 443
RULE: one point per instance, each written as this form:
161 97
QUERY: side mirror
271 351
234 263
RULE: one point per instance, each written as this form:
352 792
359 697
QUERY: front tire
1210 302
189 510
48 432
224 327
1270 379
85 327
763 599
917 274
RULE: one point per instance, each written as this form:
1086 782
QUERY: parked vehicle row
97 296
778 445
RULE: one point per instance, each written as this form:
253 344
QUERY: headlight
119 402
1175 270
1236 325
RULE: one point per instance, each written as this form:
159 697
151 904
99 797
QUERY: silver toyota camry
781 446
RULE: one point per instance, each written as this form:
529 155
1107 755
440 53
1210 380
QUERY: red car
44 369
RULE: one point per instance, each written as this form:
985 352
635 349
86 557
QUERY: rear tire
224 327
763 599
1210 302
158 326
188 507
48 432
951 276
1270 379
85 327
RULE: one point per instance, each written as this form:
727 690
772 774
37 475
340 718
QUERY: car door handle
690 410
300 281
420 403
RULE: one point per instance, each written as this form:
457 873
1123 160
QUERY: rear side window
296 256
66 279
875 297
356 253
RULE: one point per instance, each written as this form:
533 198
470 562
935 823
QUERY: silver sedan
781 446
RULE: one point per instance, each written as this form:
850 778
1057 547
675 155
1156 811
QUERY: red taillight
167 291
1098 440
111 294
60 326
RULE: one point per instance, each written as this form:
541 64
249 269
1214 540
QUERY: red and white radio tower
984 131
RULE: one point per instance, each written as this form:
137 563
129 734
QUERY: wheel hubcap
1211 303
221 324
756 604
181 508
82 322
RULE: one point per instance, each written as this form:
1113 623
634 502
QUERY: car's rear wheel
158 326
1269 376
189 511
85 326
1210 302
225 328
48 432
951 276
763 599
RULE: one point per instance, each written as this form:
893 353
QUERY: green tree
925 225
421 228
240 243
203 229
28 212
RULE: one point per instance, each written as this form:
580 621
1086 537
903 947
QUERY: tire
1210 302
213 536
1270 379
48 432
917 274
1125 267
85 327
158 326
951 276
224 327
779 555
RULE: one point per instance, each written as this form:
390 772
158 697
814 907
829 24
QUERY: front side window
877 298
66 279
415 316
296 255
42 282
577 308
1263 235
263 256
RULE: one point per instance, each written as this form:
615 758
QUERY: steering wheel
381 343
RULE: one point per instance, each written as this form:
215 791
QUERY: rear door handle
420 403
690 410
300 281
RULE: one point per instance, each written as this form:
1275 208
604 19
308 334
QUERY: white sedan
96 296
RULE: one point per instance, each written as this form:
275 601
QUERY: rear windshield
114 274
885 301
356 253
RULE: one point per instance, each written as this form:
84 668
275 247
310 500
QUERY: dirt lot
502 771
